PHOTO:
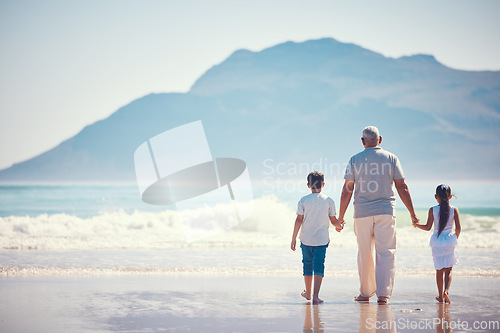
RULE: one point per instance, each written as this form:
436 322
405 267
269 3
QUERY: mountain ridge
258 105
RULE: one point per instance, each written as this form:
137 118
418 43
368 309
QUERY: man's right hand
342 222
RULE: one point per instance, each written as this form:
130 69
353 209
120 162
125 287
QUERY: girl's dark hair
315 179
443 192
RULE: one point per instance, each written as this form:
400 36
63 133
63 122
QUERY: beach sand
237 303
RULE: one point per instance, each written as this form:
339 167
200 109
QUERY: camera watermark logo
176 167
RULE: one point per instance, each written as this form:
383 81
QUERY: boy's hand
292 246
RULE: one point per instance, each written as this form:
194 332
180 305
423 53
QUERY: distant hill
302 104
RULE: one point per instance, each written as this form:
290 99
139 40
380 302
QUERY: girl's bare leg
439 282
447 283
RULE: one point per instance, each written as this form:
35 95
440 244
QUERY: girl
443 240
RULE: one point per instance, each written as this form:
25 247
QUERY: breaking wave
270 225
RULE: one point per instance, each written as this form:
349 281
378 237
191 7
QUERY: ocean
97 229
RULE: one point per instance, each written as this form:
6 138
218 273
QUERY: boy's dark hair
315 179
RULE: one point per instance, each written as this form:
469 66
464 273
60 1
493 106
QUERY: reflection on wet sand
376 318
312 319
443 323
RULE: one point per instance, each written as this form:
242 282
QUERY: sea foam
270 225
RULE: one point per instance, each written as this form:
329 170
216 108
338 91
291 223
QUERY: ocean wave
270 225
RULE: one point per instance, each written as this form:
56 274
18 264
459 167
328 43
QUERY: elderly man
370 174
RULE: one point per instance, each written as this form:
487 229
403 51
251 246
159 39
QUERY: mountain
295 106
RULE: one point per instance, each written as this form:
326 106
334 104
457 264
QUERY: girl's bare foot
439 299
446 298
305 295
317 300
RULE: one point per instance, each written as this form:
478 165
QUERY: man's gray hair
371 134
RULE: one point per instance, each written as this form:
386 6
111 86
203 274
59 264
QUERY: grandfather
371 174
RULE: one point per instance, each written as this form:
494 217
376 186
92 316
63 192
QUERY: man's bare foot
305 295
382 300
317 301
439 299
446 298
361 298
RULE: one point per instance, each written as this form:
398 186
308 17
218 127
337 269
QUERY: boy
315 212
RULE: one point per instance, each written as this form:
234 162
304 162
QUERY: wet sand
201 303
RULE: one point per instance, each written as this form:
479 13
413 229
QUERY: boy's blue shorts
313 259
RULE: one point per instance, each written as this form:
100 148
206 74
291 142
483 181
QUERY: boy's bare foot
361 298
446 298
439 299
305 295
317 301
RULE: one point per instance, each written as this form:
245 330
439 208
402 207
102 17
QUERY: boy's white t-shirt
316 208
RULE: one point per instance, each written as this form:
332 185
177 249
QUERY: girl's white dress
443 247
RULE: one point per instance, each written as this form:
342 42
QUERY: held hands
341 222
414 220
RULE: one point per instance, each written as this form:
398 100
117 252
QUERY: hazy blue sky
65 64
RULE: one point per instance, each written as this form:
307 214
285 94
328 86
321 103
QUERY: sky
67 64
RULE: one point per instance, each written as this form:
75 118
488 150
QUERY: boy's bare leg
447 283
307 292
439 282
317 285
